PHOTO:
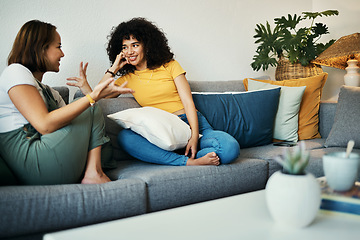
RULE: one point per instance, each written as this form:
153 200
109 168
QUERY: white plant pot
293 200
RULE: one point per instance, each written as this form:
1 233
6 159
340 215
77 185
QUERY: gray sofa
27 212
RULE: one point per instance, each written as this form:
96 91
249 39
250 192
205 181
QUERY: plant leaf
262 60
310 15
313 15
290 22
295 162
319 29
269 42
328 13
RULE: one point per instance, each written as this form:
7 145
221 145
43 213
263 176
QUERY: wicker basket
287 70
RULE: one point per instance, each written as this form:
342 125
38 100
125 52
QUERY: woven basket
287 70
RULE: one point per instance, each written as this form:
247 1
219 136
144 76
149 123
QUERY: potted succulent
293 196
294 162
288 43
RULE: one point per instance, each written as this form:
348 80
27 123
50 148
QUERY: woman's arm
184 91
30 104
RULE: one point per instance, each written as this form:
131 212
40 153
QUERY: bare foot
208 159
97 178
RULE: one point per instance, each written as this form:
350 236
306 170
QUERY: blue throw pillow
248 116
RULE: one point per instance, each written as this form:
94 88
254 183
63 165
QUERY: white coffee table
239 217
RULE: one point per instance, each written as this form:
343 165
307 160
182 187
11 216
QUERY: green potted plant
288 41
293 196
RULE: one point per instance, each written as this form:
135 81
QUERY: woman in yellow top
141 56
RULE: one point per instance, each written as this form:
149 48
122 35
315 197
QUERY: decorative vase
352 77
293 200
287 70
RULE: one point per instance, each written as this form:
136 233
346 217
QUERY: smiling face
54 54
134 53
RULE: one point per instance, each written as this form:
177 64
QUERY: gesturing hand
80 82
109 88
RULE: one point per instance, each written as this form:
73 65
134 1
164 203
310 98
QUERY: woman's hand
108 88
80 82
191 147
119 62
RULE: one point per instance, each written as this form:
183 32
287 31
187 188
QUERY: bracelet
108 71
91 100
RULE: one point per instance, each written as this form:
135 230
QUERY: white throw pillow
287 116
159 127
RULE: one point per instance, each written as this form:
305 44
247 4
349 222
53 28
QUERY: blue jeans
222 143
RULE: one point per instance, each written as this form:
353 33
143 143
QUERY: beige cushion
159 127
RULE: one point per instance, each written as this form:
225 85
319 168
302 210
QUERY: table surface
244 216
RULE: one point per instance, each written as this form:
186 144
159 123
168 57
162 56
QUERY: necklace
147 80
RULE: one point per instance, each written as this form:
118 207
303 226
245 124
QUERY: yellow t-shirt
156 88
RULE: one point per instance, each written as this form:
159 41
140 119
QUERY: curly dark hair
156 48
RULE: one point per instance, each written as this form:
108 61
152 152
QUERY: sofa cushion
309 108
174 186
27 210
161 128
247 116
269 152
347 119
287 116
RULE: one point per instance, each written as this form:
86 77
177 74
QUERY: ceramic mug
340 172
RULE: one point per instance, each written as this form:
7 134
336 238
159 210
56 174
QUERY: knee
98 114
123 137
93 115
230 150
230 153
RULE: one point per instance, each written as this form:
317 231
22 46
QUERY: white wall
212 39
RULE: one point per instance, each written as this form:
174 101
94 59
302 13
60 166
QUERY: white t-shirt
16 74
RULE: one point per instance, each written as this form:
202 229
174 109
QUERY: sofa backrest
326 112
326 117
64 92
217 86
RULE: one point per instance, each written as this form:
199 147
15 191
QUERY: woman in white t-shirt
42 140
